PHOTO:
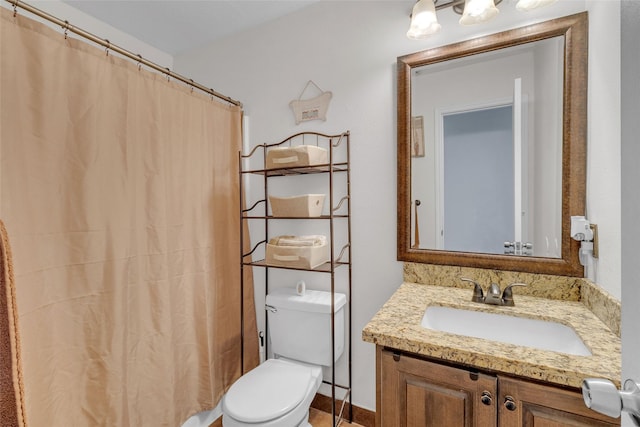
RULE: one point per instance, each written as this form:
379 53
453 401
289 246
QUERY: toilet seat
277 392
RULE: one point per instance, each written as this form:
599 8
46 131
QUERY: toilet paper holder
603 396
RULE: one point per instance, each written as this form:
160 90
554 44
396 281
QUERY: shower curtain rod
105 43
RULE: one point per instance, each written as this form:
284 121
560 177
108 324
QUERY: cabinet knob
510 403
486 398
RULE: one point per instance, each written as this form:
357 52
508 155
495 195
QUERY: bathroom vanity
429 377
418 392
459 363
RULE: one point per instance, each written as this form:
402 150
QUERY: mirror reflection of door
477 180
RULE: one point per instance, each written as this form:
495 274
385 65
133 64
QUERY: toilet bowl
277 393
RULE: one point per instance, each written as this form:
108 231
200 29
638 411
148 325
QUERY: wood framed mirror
560 254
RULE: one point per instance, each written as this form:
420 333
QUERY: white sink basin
540 334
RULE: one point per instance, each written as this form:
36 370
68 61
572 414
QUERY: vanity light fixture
476 11
424 21
525 5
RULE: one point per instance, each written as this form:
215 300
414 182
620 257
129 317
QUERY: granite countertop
397 325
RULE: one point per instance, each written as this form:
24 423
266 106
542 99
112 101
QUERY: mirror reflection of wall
479 83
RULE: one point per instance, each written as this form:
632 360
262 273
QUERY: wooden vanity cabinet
413 392
523 403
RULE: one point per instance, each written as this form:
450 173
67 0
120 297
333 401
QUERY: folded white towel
312 240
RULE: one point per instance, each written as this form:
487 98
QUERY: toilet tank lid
312 301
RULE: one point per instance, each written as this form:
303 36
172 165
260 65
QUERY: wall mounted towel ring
312 108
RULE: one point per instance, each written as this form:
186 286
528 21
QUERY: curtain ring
192 83
66 29
106 50
139 62
168 74
15 8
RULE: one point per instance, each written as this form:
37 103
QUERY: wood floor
322 419
316 419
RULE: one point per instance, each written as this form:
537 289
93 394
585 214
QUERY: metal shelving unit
339 211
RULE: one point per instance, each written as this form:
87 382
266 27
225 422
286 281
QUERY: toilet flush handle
270 308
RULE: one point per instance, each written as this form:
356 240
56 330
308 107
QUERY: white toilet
278 393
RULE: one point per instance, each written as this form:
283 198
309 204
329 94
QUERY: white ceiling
176 26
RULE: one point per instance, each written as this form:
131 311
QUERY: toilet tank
300 325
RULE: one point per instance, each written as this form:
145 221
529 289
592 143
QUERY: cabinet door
526 404
416 393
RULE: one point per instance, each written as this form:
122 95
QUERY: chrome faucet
493 295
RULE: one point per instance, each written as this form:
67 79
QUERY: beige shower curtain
119 192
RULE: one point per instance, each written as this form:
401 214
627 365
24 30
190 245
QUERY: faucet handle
478 295
507 294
